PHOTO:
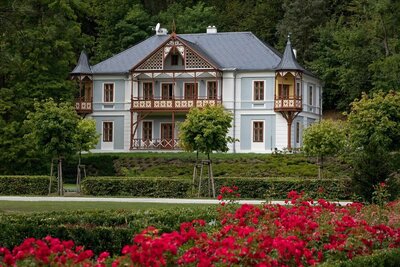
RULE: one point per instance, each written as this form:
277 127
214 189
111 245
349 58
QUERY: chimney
162 31
211 29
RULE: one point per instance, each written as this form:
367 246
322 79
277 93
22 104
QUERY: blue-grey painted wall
118 130
246 129
247 91
119 94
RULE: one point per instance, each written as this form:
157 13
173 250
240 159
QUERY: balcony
179 104
155 144
84 106
288 103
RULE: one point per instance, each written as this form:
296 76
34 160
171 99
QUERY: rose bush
301 233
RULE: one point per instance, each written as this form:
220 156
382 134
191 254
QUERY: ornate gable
155 61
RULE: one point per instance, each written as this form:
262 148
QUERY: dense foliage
299 234
352 45
374 125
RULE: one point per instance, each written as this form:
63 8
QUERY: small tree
205 130
53 130
86 138
326 138
374 125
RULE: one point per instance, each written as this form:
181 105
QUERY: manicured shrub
25 185
258 188
97 230
138 187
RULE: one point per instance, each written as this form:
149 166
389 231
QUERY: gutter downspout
234 111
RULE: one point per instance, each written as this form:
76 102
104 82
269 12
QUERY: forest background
352 45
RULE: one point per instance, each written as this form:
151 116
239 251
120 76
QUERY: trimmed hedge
97 230
25 185
137 187
387 258
260 188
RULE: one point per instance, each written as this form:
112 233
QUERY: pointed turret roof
288 61
82 67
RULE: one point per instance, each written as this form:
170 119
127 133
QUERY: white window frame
252 90
104 88
107 145
310 95
258 146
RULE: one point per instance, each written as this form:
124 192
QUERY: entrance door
166 136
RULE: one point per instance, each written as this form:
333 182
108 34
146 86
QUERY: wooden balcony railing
84 105
172 104
288 103
157 143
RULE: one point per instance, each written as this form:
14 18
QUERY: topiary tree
205 130
374 125
326 138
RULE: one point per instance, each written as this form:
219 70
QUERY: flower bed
302 233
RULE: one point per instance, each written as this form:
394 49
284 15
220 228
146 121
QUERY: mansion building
138 96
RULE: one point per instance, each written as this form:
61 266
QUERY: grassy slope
225 165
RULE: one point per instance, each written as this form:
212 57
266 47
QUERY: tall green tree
120 25
38 45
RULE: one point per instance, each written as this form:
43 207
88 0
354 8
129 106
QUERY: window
108 92
147 130
107 131
310 96
212 90
190 90
297 132
258 90
258 131
166 91
174 60
298 89
147 91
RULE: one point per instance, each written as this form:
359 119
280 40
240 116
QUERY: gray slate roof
82 67
226 50
289 61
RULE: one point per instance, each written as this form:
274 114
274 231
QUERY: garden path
140 200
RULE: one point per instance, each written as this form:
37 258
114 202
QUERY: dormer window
174 60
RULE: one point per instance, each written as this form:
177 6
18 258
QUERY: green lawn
29 206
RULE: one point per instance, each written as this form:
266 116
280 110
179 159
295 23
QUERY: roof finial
173 26
288 36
